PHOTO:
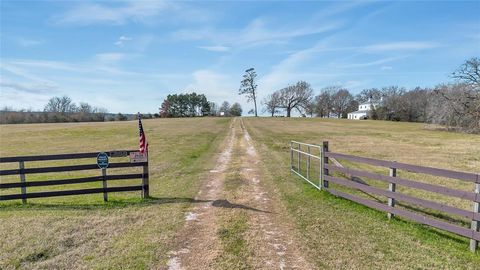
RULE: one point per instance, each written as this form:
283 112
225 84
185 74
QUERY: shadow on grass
118 204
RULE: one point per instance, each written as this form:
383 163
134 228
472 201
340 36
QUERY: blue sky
126 56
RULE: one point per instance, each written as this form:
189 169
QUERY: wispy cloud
123 12
122 40
29 88
372 63
258 31
217 48
402 46
112 13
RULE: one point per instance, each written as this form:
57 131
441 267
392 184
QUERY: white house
362 112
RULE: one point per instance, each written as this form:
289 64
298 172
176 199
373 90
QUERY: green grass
235 250
85 232
342 234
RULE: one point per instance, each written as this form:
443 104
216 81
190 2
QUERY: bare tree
272 103
390 106
323 103
310 108
341 102
85 108
458 105
469 72
372 94
60 104
248 87
296 97
452 105
225 108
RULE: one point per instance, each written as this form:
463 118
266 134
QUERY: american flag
143 139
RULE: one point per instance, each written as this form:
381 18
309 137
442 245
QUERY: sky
127 56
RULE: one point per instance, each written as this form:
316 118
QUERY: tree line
195 105
455 105
57 109
63 109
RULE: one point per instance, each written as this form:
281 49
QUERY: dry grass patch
85 232
342 234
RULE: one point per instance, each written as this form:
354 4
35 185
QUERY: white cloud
402 45
122 40
386 68
112 13
372 63
218 48
121 12
257 32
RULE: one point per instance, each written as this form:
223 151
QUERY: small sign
136 157
118 154
102 160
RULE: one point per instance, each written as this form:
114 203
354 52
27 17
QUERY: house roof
369 103
362 111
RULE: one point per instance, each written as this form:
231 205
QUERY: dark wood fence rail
23 184
393 196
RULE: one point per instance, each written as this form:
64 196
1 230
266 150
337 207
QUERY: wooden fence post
392 187
320 170
325 161
308 163
22 179
145 182
104 180
476 209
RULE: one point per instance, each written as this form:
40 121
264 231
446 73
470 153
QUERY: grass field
128 232
83 231
342 234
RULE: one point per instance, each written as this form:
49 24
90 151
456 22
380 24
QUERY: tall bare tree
296 97
272 103
248 87
458 105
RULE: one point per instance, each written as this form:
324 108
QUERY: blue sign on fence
102 160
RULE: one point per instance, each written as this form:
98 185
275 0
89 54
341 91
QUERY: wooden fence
326 176
22 172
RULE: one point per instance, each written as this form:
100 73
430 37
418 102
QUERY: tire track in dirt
197 243
270 238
